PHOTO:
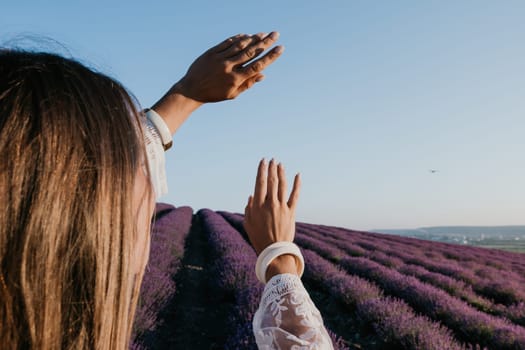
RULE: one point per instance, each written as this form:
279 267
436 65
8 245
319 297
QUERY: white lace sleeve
287 318
156 158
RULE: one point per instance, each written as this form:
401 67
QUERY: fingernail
279 49
274 35
259 78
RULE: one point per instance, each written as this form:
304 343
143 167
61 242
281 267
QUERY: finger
272 182
225 44
246 217
261 35
263 62
294 196
260 183
238 45
248 83
248 206
282 183
255 48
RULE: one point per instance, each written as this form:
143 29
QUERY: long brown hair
70 144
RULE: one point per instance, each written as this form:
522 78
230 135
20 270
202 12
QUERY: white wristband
162 128
273 251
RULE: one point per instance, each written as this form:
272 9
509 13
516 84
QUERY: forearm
174 107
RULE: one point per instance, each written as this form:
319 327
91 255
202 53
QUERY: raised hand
223 72
269 215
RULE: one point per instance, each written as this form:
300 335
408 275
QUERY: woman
80 168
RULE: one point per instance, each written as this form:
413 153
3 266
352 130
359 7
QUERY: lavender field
374 291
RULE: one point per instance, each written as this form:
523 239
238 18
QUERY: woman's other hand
223 72
270 216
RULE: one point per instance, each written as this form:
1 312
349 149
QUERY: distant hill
511 238
469 231
375 291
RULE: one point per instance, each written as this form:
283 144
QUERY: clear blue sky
367 97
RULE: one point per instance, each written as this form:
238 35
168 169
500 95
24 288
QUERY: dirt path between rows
194 319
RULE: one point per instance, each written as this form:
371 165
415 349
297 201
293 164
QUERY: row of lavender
233 261
170 229
497 292
502 260
474 265
467 322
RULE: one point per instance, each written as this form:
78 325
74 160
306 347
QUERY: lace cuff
287 318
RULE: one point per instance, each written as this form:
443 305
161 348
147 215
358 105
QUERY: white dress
287 318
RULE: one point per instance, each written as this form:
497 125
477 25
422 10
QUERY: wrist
285 263
183 89
175 107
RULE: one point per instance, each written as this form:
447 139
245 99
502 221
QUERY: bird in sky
433 171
